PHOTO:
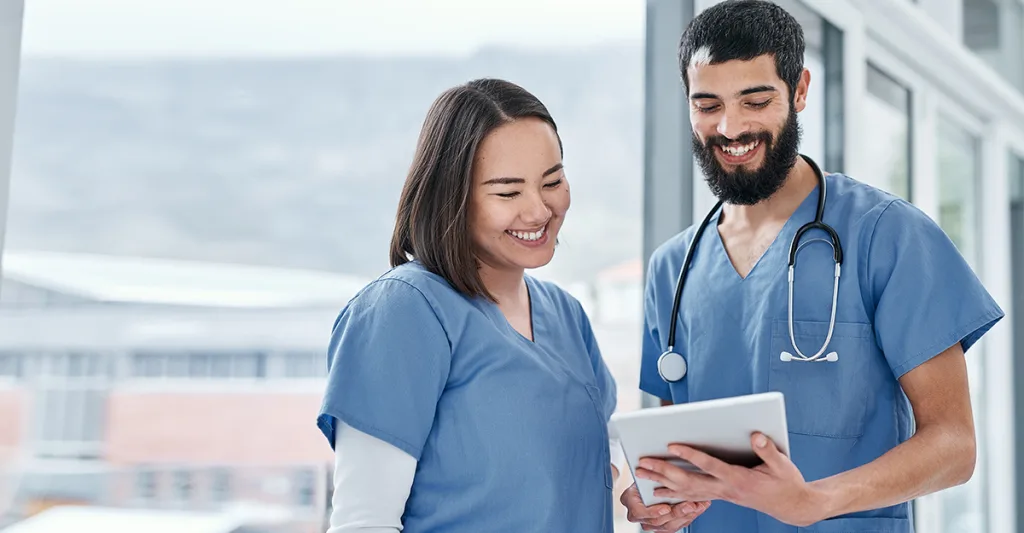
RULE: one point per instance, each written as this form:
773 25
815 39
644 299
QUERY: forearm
372 482
935 458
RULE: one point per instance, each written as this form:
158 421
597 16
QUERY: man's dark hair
744 30
432 224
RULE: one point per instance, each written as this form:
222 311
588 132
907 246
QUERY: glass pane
994 30
887 109
963 507
1017 306
206 189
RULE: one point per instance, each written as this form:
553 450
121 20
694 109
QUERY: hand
660 518
776 488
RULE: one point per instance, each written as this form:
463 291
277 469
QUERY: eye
554 184
760 105
508 194
707 109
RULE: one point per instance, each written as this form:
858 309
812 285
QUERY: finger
711 466
636 509
676 524
767 451
685 495
656 477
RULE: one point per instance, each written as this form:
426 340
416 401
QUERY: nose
536 212
732 123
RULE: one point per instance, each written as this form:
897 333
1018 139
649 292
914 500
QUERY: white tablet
721 428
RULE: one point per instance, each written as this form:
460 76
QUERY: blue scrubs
510 434
905 295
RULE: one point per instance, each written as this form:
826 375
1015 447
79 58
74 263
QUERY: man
885 417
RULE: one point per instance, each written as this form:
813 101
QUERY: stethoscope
672 366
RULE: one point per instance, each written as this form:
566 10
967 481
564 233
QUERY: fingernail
761 441
664 512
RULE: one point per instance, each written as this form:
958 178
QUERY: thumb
767 451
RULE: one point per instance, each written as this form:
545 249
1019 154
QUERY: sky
91 28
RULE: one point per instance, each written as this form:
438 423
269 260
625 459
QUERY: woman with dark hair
464 395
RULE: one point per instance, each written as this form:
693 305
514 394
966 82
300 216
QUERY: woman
464 395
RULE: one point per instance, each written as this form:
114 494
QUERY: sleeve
925 295
388 362
651 345
372 482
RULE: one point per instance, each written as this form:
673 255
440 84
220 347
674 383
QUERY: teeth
741 150
527 235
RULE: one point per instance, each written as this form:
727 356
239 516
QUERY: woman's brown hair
432 224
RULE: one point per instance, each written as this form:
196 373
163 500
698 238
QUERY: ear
800 91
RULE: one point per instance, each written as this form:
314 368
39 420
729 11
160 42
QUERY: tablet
721 428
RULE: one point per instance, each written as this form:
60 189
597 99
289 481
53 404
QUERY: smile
528 236
738 151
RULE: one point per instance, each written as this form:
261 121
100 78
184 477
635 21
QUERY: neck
800 182
507 286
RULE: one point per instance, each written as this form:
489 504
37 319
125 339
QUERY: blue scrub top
905 295
510 434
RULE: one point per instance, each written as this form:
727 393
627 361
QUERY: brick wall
233 428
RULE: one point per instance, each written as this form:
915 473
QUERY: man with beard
877 401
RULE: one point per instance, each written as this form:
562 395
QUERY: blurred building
165 385
180 386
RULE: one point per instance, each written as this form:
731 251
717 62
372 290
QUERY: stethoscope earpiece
786 357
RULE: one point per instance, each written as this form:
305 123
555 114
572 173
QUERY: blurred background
197 187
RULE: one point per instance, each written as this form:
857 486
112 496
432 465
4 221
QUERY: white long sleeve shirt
373 479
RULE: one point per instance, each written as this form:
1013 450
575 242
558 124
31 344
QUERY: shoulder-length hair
432 224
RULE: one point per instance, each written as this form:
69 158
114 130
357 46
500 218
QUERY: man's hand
776 488
660 518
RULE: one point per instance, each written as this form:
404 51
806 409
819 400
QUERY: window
305 488
304 365
959 160
822 119
183 486
181 145
963 507
994 30
10 365
145 485
186 365
220 485
70 407
1017 307
887 110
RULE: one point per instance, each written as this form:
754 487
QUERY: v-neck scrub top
509 434
905 295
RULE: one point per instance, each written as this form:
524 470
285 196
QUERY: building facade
923 99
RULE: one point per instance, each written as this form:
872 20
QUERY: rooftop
109 278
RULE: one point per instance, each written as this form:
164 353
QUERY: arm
372 481
941 453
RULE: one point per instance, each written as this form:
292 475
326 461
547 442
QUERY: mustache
746 138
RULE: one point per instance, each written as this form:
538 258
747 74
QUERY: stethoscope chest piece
671 366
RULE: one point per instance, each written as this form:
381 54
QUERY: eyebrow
744 92
510 180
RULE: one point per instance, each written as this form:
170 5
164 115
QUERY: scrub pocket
860 524
827 399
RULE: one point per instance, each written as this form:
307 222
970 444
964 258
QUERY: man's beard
743 187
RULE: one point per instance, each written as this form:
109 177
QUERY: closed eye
553 184
760 105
